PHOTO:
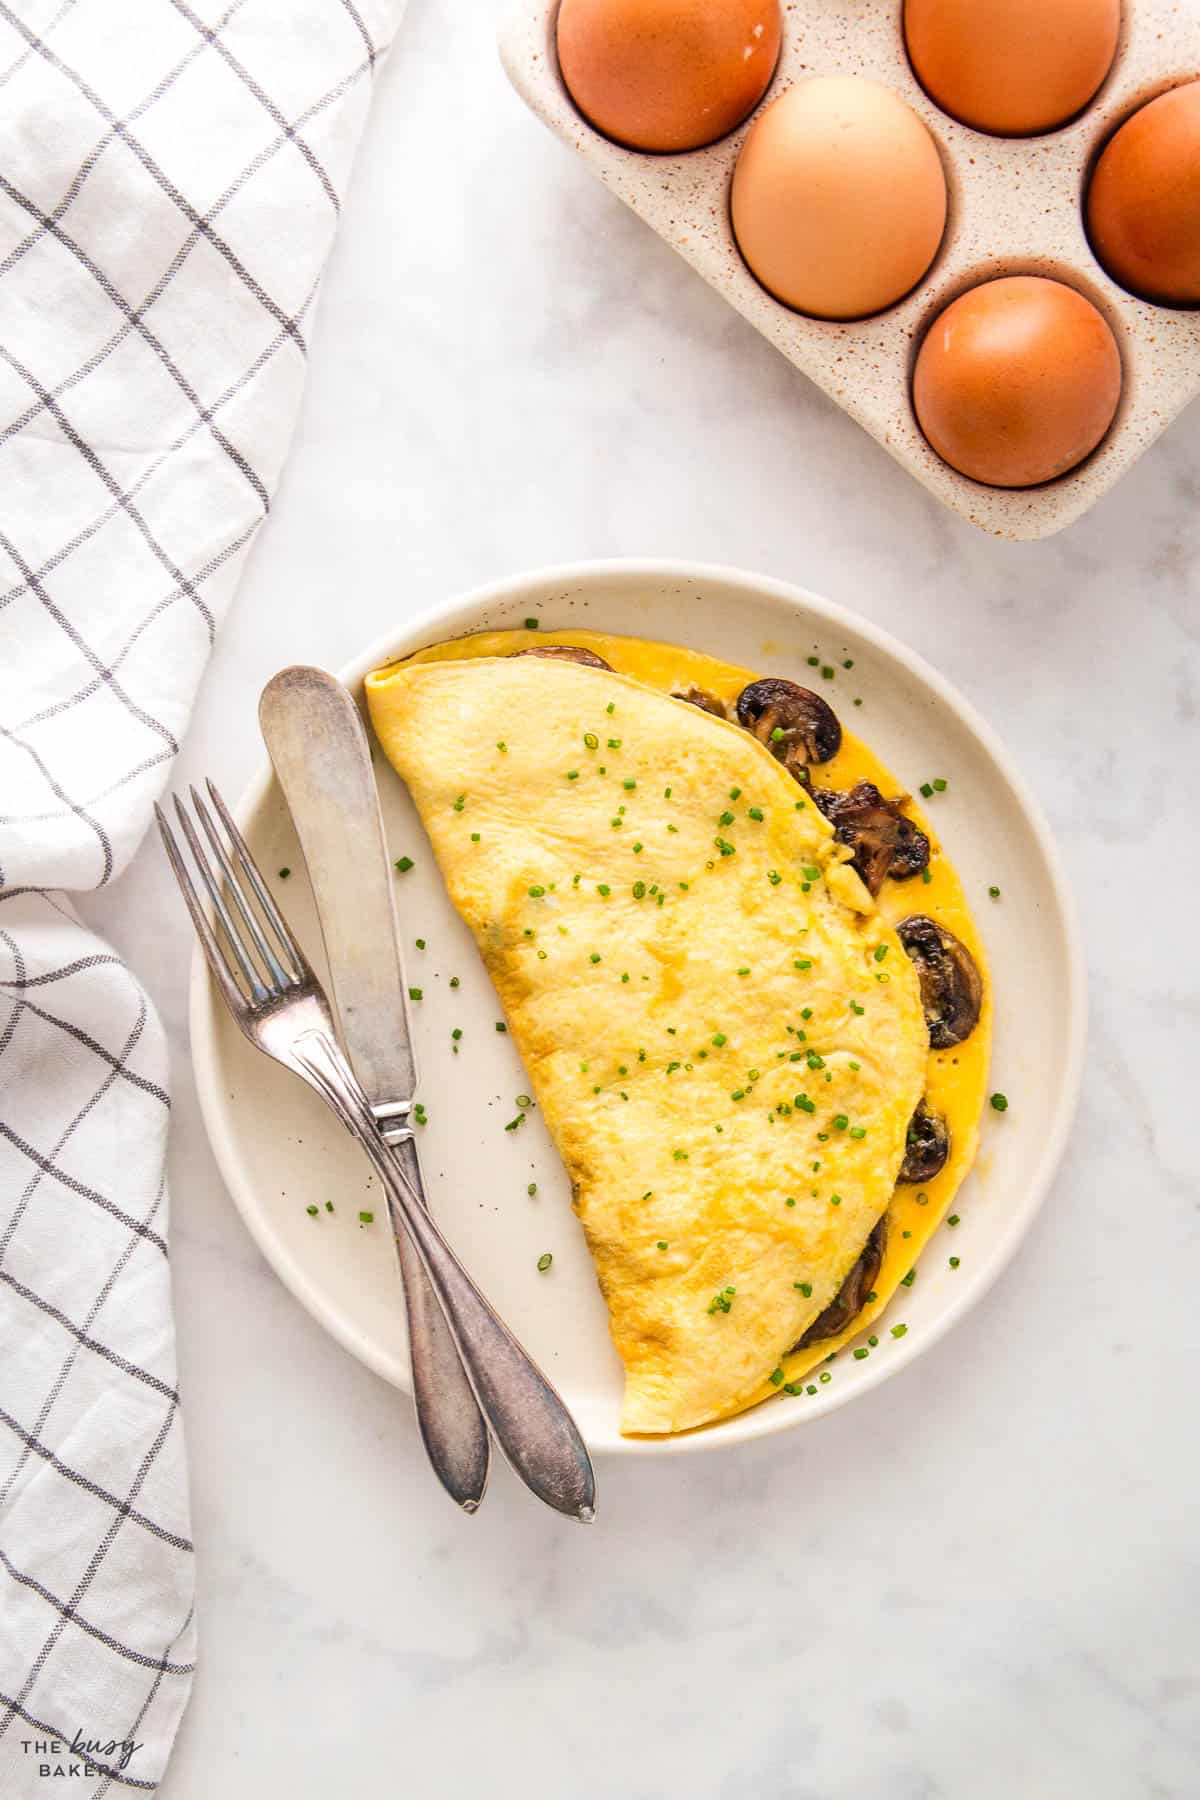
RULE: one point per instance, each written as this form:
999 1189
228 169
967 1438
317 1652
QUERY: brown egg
667 74
1012 67
1143 205
1017 381
839 200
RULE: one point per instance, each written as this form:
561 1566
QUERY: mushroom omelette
761 1057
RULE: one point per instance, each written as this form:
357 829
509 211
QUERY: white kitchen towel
171 174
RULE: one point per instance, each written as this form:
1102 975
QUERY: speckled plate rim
463 614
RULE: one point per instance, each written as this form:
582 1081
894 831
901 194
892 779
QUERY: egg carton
1015 207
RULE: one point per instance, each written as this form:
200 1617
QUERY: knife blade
318 746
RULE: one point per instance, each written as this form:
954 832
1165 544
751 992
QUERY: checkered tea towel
170 181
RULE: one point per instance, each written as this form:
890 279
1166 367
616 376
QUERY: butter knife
317 743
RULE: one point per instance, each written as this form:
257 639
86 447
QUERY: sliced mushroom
797 726
884 842
709 703
567 653
951 987
927 1146
852 1294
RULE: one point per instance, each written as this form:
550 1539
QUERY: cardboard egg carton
1015 207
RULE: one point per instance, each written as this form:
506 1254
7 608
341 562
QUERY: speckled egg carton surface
1015 208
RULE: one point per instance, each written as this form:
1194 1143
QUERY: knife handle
538 1436
448 1416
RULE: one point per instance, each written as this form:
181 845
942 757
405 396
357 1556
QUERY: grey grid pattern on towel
171 174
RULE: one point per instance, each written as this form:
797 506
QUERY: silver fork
281 1007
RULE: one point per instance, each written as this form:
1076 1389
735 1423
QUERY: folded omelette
726 1039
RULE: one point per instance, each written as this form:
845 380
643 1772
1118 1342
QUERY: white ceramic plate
281 1152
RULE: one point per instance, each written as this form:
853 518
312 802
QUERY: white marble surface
980 1581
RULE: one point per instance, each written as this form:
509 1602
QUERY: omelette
761 1059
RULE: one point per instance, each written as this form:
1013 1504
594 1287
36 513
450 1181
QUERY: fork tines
274 974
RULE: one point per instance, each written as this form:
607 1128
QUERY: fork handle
448 1417
533 1428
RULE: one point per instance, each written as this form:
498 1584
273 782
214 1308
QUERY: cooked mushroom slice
852 1294
709 703
567 653
796 726
884 842
927 1146
951 988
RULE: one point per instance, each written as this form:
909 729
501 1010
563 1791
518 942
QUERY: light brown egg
839 199
667 74
1017 381
1012 67
1143 205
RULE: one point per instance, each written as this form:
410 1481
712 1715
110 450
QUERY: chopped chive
531 624
312 1211
403 864
805 1288
415 993
366 1218
544 1261
898 1331
999 1103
